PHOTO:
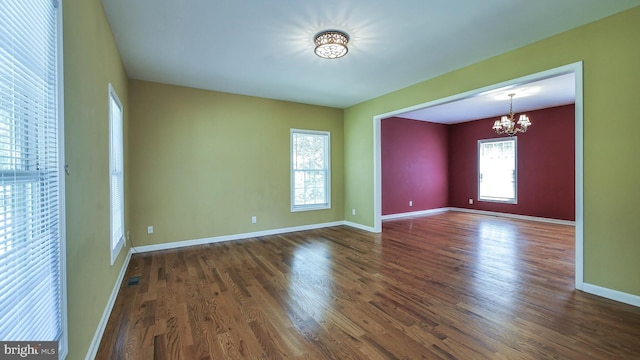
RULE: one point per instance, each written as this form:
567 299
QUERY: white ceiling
264 48
540 94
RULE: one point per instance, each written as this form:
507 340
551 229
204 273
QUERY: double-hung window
116 170
32 261
497 165
310 170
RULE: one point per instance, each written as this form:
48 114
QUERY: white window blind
116 180
310 170
31 284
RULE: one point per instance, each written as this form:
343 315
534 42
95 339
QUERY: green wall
91 62
203 163
610 52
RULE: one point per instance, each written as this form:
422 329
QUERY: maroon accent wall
414 165
546 165
435 165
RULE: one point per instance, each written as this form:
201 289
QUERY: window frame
327 169
115 136
514 200
63 346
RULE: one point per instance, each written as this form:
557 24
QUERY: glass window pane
116 164
497 170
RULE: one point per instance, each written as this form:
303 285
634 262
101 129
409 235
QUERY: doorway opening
577 70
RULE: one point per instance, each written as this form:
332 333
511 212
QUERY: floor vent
133 281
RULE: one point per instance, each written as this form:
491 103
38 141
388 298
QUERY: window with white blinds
116 179
31 218
310 170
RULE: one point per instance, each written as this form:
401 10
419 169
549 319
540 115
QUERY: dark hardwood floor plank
448 286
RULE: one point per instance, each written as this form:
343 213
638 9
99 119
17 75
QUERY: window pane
116 208
497 170
116 181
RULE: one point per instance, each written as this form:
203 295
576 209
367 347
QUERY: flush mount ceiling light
331 44
507 124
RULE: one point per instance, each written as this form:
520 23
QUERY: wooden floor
448 286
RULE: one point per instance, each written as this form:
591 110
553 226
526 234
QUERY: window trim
63 345
513 201
117 247
327 155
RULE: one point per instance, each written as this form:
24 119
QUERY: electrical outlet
353 211
410 203
150 229
470 201
254 219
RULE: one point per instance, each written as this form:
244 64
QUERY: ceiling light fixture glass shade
331 44
508 125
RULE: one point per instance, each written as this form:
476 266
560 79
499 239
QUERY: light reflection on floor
311 279
497 262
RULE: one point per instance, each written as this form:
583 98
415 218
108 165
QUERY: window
497 170
32 260
310 175
116 169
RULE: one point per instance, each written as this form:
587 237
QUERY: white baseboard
360 226
97 337
415 213
515 216
215 239
612 294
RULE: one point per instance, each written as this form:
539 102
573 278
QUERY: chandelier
331 44
507 124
